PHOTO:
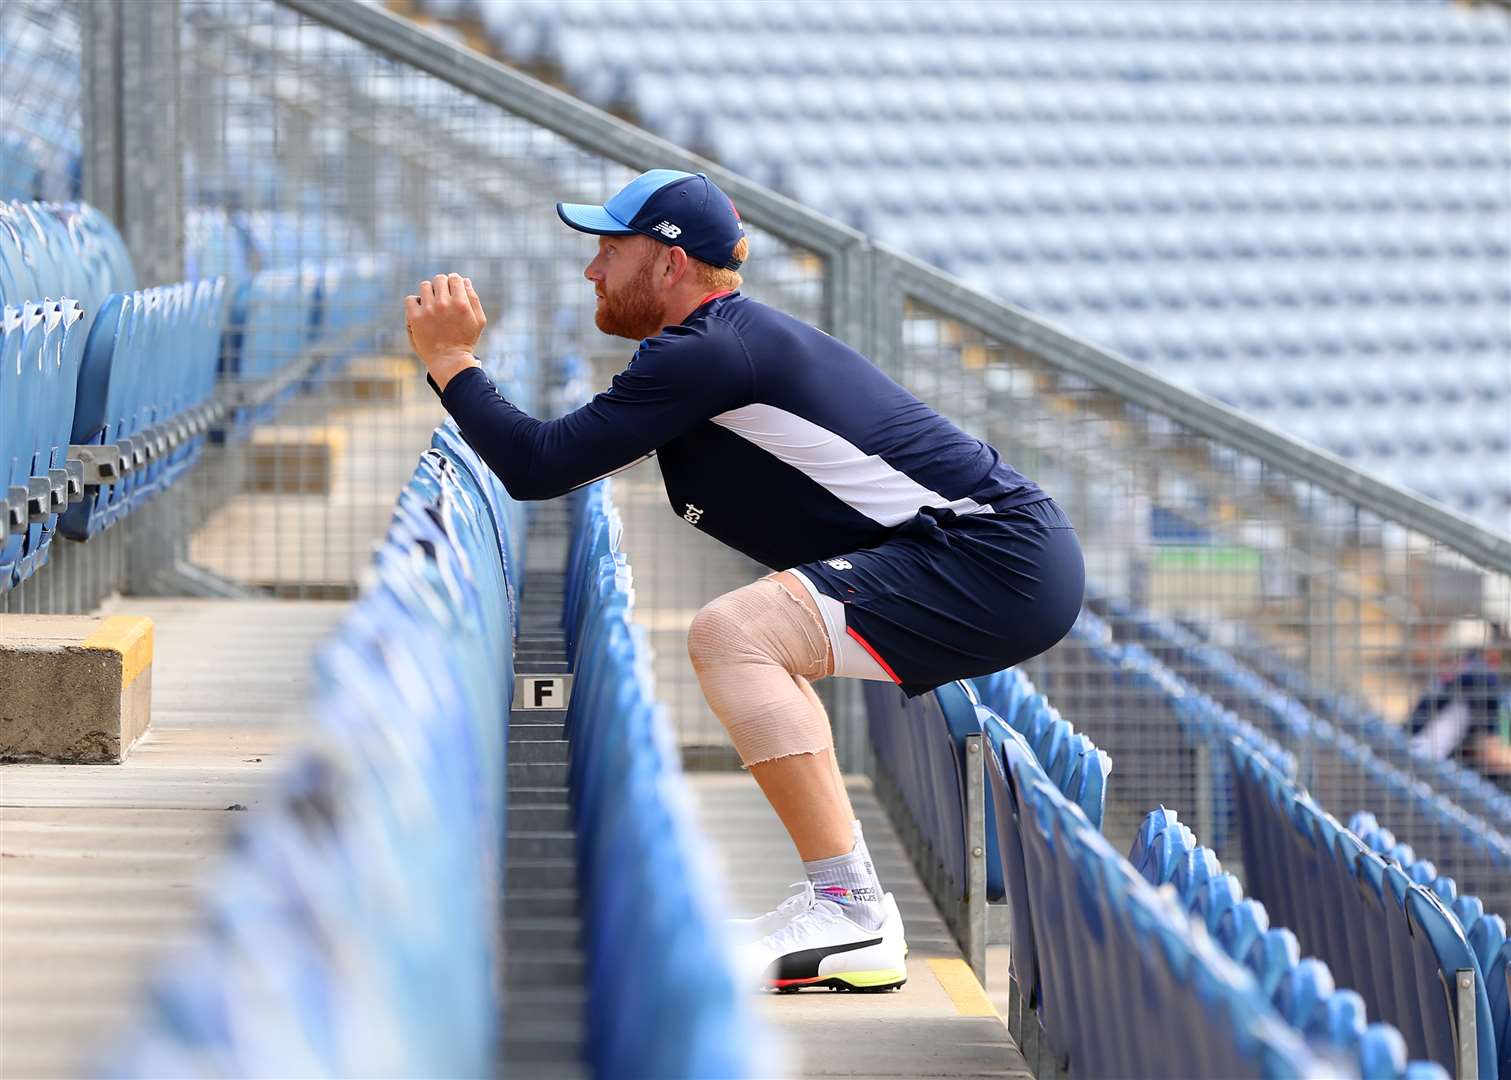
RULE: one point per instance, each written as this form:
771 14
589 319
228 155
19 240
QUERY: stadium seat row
1094 949
40 348
61 249
663 999
145 398
1379 918
352 930
1094 669
1334 1020
1018 739
1053 25
1238 687
107 396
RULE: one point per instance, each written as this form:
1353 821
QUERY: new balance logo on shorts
839 564
667 229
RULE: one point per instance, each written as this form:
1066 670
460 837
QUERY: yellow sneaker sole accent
870 979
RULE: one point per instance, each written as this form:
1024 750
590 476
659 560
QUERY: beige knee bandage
754 650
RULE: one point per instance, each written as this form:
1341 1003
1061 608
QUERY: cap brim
584 217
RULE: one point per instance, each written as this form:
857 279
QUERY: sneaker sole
857 982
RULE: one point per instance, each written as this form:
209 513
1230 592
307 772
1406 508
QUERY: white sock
850 881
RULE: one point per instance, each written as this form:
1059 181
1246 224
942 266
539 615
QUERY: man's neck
687 304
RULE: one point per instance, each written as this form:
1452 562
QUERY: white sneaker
820 946
745 931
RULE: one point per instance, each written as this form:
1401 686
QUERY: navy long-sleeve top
773 437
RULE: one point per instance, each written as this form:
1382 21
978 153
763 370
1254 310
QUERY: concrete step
562 967
542 1059
539 752
540 1035
539 716
551 874
549 934
527 666
530 819
538 774
529 731
554 652
542 846
524 1014
532 901
537 795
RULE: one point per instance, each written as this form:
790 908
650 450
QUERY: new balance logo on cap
667 229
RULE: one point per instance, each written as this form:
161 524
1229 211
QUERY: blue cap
679 209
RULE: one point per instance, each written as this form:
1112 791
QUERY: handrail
1196 411
488 80
592 128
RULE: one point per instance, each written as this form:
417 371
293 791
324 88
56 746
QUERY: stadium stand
352 929
1235 686
1105 166
1093 668
126 378
357 914
1081 920
1310 231
663 1000
1418 954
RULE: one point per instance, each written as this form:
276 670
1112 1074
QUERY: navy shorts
951 597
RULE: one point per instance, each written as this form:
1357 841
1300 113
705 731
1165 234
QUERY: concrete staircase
544 995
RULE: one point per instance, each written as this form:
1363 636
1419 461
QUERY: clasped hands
445 321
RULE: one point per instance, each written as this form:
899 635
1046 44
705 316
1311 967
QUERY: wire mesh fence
330 157
1340 633
41 87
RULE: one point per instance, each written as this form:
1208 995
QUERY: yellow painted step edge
959 981
129 635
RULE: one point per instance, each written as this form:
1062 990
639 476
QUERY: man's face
623 277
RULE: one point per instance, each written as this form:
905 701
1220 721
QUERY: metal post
1466 1027
1204 808
100 105
973 904
132 106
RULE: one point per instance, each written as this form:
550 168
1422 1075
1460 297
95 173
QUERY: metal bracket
15 509
75 471
38 499
95 465
134 450
57 483
99 464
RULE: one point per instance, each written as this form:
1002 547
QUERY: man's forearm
501 433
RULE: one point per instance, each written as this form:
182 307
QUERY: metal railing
320 129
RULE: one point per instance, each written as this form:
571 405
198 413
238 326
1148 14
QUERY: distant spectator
1467 713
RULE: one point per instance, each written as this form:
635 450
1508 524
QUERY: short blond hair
716 278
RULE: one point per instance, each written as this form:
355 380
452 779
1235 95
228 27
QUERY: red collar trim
712 296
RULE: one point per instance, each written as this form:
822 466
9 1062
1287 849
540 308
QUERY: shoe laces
798 901
803 920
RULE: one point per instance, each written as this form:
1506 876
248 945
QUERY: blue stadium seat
41 349
1390 937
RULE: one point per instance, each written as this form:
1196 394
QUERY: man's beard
632 311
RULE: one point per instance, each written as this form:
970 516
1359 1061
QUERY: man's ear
676 266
